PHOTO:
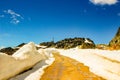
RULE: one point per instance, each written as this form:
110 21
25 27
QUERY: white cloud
104 2
14 16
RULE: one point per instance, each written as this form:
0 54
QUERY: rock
87 46
22 44
48 44
102 46
71 43
115 42
8 50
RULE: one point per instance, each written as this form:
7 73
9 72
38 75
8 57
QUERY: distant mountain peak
115 42
118 32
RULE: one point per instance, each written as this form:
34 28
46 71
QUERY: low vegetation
71 43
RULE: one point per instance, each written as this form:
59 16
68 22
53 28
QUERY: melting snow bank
101 62
38 70
23 59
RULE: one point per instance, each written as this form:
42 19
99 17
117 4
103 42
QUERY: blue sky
41 20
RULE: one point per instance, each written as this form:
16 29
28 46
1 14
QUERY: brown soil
64 68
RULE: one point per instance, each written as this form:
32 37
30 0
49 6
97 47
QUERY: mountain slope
115 42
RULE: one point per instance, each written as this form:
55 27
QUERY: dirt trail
65 68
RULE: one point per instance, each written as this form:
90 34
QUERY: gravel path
65 68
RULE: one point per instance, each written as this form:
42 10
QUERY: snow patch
101 62
86 41
22 60
38 70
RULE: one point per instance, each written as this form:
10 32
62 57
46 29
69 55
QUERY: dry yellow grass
65 68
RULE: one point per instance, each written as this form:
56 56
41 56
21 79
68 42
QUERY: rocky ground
68 43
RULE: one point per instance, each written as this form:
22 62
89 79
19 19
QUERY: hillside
115 42
28 63
68 43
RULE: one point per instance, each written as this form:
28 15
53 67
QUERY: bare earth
65 68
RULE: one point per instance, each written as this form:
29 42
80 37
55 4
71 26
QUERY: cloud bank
104 2
15 17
